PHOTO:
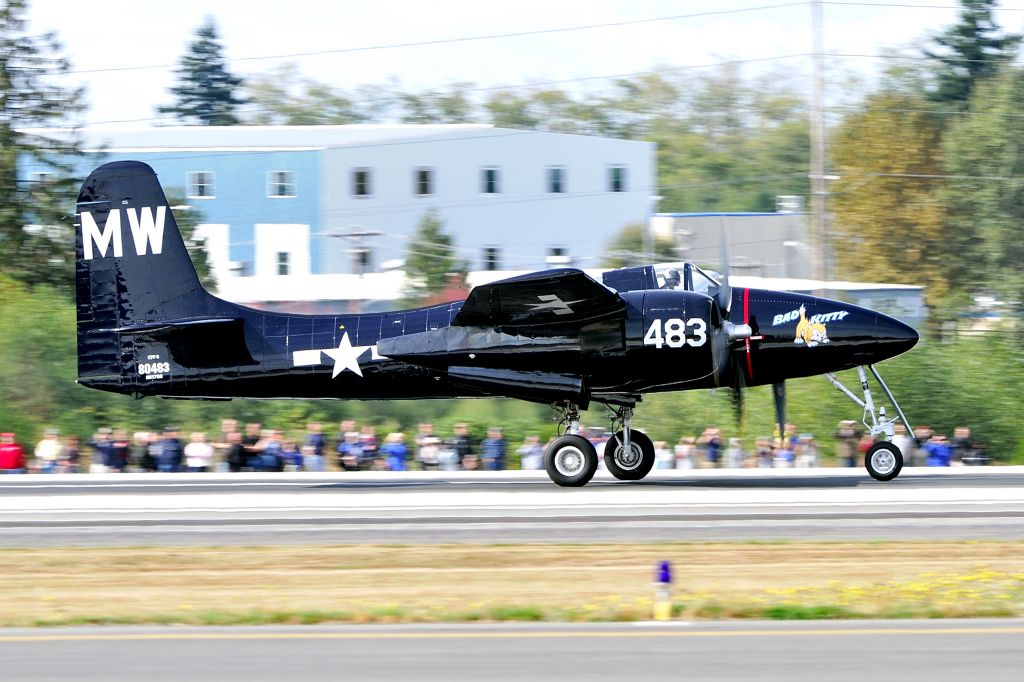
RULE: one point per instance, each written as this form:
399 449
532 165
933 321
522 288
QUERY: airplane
147 327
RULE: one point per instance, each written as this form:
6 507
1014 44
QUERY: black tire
884 461
570 461
632 468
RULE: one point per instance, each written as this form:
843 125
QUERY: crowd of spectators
362 448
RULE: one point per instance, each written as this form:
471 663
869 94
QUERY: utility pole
819 194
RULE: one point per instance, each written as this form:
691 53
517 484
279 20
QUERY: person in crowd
236 456
171 452
120 447
664 458
222 442
904 442
140 457
924 435
71 459
395 452
492 450
269 458
531 454
806 451
427 446
938 451
447 456
12 455
735 456
710 444
315 438
369 446
198 453
764 453
102 445
847 438
346 426
350 452
291 456
686 452
253 442
963 448
462 442
49 452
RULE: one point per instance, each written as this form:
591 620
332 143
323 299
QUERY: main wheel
883 460
570 461
632 465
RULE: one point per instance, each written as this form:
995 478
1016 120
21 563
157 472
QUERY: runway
912 651
498 507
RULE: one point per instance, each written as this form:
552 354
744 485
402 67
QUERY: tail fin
132 269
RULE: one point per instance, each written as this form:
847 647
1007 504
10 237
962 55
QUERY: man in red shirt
12 457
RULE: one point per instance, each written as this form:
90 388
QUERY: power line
463 39
905 5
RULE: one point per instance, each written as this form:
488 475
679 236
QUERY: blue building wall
240 189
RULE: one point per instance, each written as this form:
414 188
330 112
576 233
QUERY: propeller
779 394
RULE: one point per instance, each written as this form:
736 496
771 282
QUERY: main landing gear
571 460
883 460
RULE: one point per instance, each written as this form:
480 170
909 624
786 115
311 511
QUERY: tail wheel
630 465
884 461
570 461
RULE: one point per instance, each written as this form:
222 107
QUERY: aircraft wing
553 297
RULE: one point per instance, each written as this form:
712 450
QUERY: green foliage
283 97
29 98
206 92
968 52
430 264
985 150
627 248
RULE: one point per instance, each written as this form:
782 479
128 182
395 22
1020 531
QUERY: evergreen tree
30 98
189 218
206 90
431 262
969 51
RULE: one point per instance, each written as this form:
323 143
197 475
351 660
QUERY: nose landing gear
883 460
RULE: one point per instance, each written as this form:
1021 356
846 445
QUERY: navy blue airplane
146 327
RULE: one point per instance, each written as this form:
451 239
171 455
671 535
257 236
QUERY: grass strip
536 582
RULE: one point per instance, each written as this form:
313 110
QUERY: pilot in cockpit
671 279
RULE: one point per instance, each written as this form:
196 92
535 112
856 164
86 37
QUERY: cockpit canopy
687 277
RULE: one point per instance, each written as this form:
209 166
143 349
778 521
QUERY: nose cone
892 337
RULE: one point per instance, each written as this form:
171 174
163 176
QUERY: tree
283 97
969 51
890 217
206 90
431 262
984 152
30 98
627 248
438 107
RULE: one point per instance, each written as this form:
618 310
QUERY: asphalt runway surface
508 507
910 651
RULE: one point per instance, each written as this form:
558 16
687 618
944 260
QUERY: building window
361 179
200 185
617 179
558 256
282 262
40 177
490 181
423 182
491 258
281 184
556 180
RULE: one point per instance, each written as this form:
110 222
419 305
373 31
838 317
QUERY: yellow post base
662 610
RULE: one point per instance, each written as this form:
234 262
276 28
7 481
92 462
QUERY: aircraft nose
893 337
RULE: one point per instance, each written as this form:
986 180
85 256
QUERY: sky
103 39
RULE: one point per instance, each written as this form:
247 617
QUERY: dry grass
468 582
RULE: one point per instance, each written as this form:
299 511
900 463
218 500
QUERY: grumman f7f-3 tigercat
146 327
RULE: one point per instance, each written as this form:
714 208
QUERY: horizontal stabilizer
198 342
549 299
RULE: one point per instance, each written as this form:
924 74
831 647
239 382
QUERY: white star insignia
346 356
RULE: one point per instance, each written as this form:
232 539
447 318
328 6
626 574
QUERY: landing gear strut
883 460
628 454
570 459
